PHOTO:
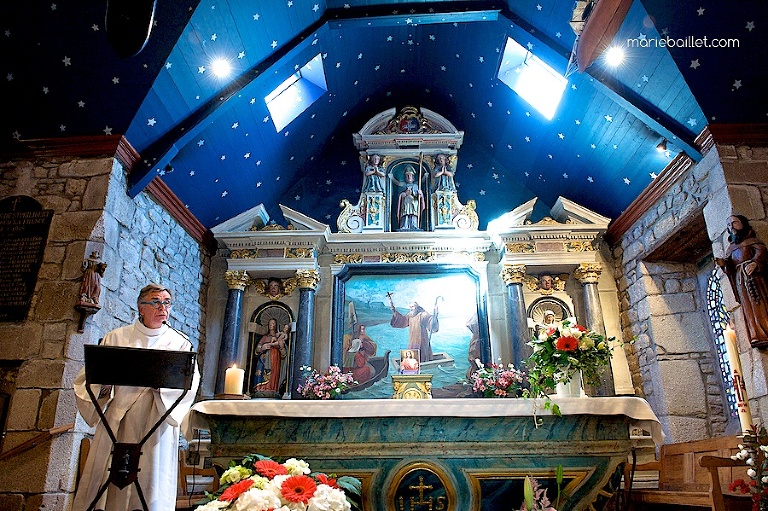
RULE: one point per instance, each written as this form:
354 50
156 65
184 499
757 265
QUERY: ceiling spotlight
662 146
221 67
614 56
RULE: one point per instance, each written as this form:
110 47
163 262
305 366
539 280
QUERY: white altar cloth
635 408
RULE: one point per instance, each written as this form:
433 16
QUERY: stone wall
673 360
140 242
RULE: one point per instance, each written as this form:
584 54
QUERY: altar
440 454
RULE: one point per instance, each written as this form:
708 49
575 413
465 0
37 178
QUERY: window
297 93
718 317
531 78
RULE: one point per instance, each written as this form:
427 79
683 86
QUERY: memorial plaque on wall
24 228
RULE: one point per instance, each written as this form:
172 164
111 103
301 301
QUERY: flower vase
571 387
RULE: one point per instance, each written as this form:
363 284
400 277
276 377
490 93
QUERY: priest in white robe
131 412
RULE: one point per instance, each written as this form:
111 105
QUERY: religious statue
373 175
271 350
746 265
90 289
546 284
410 202
442 175
420 323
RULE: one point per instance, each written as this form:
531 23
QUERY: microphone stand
185 336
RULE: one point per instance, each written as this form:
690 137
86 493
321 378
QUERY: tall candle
233 380
742 404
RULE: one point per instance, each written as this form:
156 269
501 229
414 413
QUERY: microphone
185 336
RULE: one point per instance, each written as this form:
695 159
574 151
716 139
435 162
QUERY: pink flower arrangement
496 380
330 385
261 484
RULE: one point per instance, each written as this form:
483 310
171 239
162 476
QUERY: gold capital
237 279
588 273
308 279
513 274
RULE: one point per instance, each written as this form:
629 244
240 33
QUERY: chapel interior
314 165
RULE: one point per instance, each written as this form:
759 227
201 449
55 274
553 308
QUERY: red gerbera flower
298 488
235 490
324 479
269 468
566 343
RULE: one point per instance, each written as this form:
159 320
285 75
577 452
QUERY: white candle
742 404
233 380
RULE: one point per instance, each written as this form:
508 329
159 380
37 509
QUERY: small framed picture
409 361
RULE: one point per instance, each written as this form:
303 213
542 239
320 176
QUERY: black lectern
134 367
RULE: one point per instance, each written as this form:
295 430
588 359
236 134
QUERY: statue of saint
93 271
410 202
746 265
373 175
442 175
271 351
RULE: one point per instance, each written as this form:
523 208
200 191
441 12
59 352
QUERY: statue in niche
373 175
271 351
410 202
746 265
442 175
90 289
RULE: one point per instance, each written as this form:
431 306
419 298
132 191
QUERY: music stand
134 367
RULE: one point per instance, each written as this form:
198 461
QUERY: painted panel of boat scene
433 313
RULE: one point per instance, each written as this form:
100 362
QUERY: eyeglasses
157 303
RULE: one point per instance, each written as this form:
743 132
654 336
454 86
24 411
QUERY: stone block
73 262
747 200
20 342
95 194
54 253
47 416
56 301
24 409
75 225
12 502
75 187
41 374
727 152
683 386
662 304
686 429
745 171
58 203
681 333
664 226
85 168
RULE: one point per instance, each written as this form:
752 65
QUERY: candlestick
742 404
233 380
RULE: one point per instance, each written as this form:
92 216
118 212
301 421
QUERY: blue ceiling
214 143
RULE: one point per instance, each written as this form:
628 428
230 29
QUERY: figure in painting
442 175
271 350
373 175
474 345
356 356
409 364
746 265
410 202
421 324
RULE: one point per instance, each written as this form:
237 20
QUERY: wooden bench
693 474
